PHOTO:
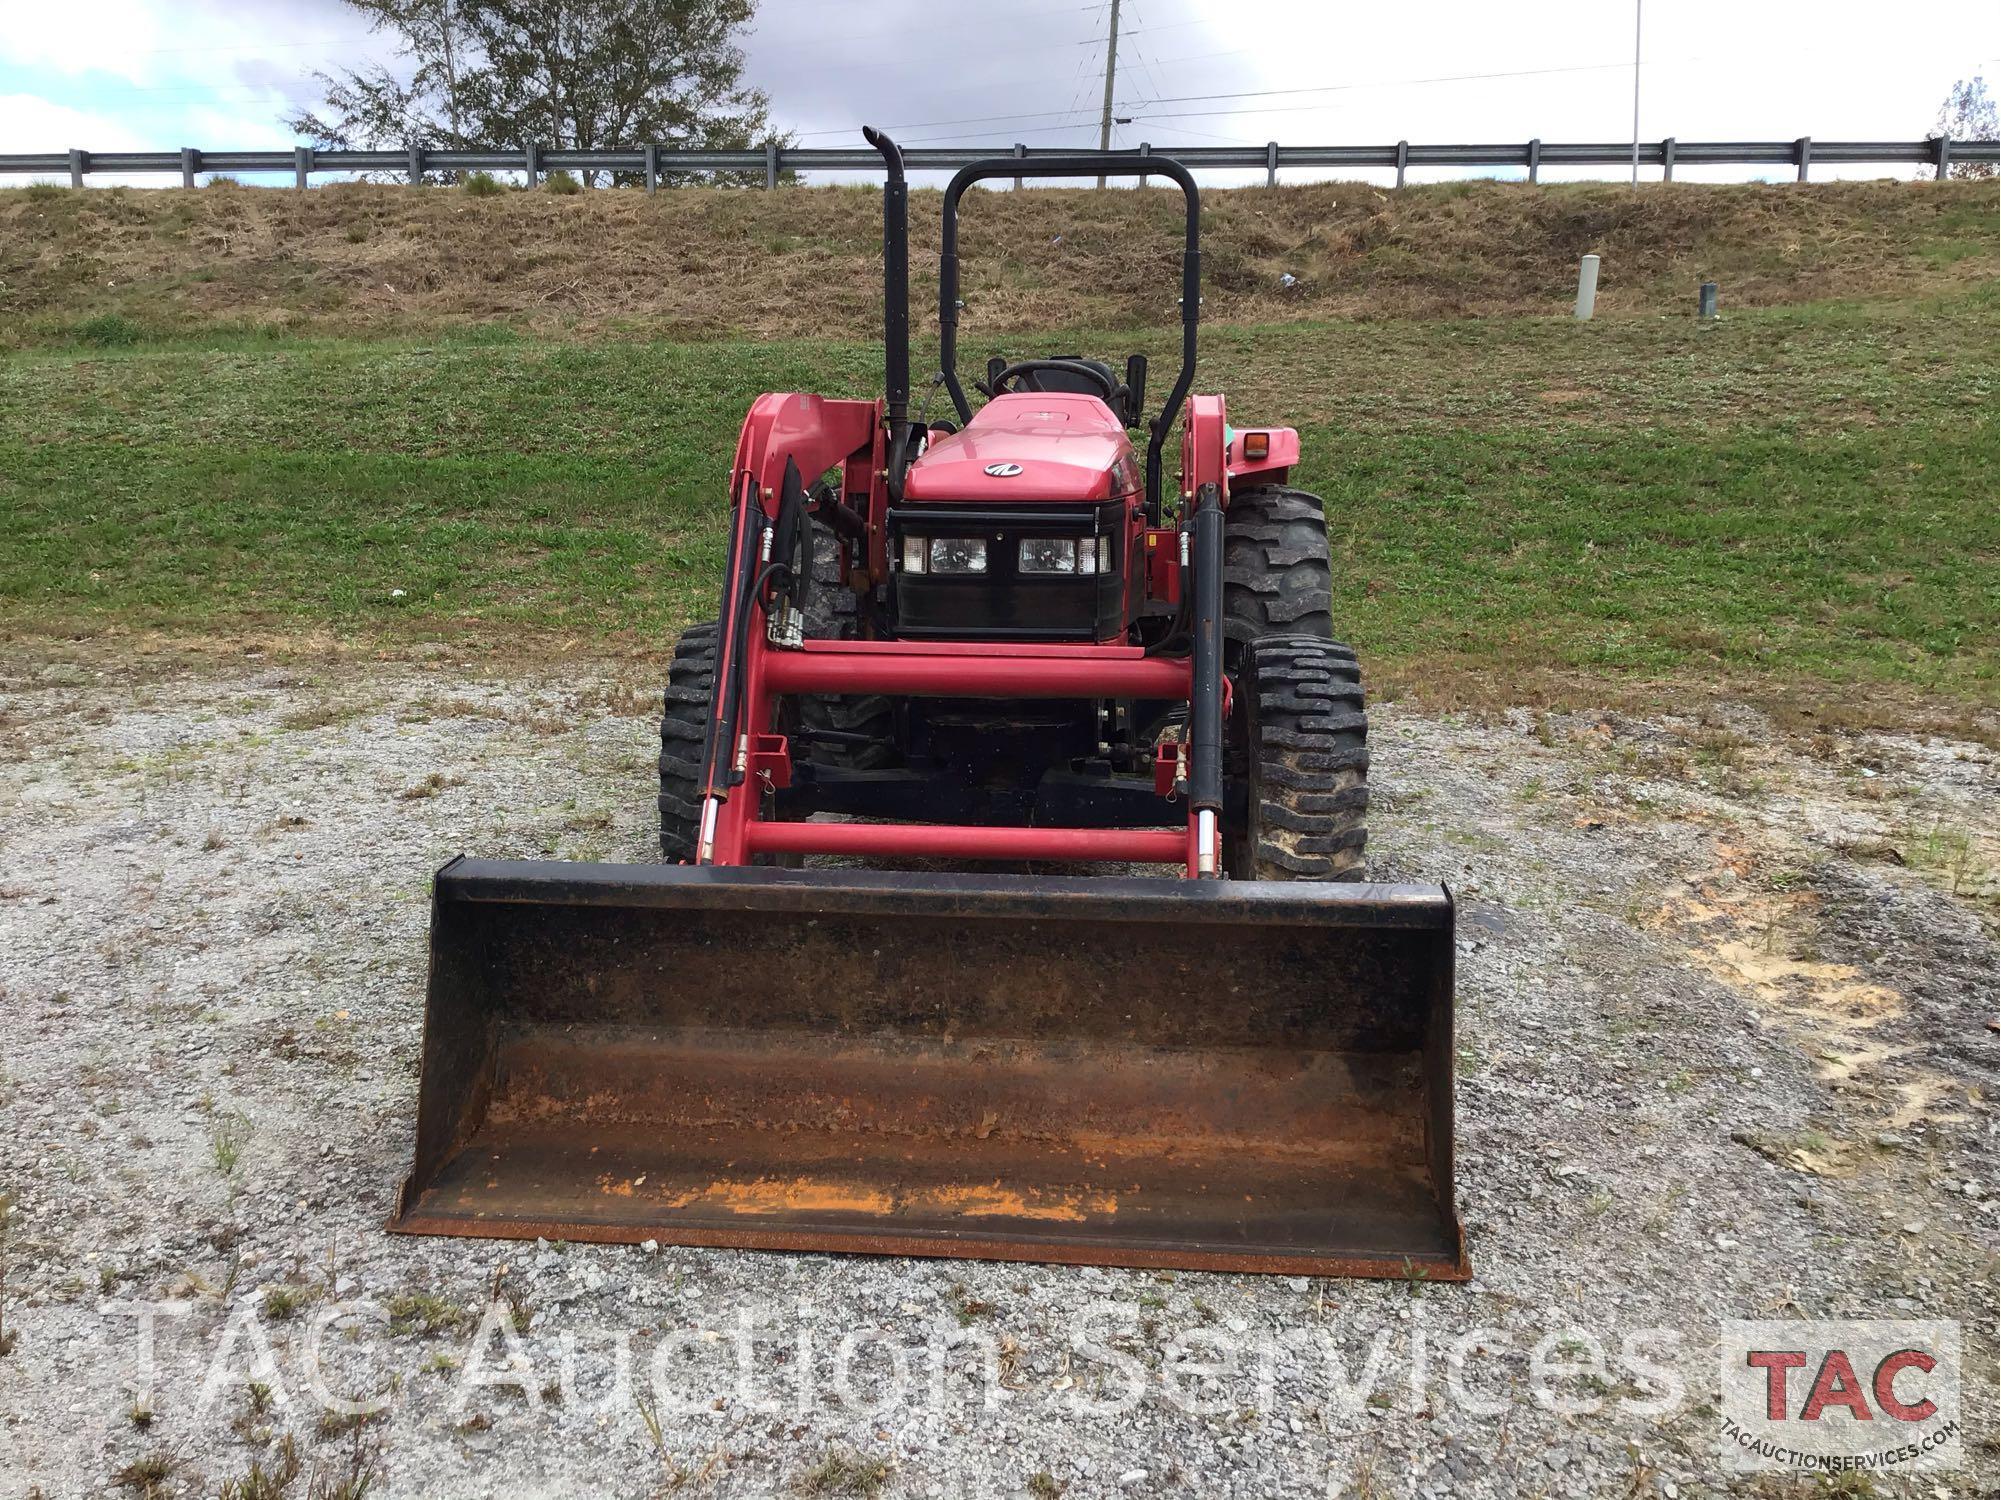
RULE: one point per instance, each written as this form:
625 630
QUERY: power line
1227 140
1384 83
1083 79
967 120
251 89
1077 107
820 46
336 41
947 140
1142 31
1144 109
1146 66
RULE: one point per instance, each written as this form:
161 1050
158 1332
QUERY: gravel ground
1724 1052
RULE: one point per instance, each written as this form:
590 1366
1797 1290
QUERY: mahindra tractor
1013 900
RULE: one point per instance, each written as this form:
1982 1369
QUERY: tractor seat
1074 384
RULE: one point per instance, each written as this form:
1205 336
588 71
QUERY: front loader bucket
1215 1075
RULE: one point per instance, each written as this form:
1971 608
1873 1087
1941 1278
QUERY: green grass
1794 496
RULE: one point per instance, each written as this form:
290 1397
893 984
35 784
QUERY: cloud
220 73
159 43
29 123
123 38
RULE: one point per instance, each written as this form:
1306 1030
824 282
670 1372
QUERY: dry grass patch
841 1473
322 715
430 786
1802 712
148 1477
110 267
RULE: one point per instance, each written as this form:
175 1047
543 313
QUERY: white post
1587 287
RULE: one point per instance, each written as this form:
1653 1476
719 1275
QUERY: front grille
1003 603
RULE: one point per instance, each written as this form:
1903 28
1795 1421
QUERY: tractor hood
1029 447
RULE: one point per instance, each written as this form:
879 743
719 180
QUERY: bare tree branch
1968 114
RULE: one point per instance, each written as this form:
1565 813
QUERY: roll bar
1125 164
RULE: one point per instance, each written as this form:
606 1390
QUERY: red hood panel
1066 447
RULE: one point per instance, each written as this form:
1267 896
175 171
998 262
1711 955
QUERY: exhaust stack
895 303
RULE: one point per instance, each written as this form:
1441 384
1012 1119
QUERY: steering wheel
1024 371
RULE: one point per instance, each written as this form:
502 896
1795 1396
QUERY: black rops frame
896 286
1129 165
1206 523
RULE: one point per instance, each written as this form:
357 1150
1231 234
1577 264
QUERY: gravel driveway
1725 1051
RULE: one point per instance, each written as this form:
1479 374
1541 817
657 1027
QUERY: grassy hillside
1798 503
109 266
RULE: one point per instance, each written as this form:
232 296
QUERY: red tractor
1006 638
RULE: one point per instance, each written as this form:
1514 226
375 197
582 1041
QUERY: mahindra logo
1003 471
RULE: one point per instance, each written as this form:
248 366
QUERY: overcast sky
158 74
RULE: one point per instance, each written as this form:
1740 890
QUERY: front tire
684 730
1278 578
1299 747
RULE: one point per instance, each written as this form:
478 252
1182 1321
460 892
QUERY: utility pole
1636 93
1111 70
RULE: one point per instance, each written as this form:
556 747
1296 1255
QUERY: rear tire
684 730
1277 575
1299 744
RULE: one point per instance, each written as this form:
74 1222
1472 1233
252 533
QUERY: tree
1968 114
566 74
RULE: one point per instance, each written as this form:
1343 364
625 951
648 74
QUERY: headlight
1042 554
913 554
958 554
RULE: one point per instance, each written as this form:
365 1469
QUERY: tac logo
1827 1396
1003 471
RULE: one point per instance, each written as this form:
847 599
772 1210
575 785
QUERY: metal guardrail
649 162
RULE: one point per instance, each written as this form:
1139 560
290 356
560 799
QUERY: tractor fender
1274 466
812 431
